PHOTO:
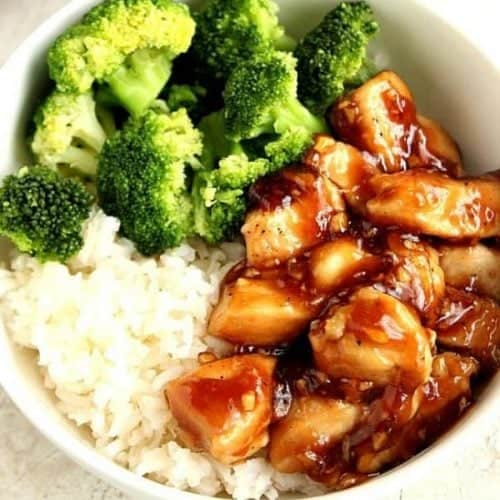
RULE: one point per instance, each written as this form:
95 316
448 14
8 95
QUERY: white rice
111 329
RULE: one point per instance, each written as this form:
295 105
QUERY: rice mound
111 328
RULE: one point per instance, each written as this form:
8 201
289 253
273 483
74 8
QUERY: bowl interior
452 82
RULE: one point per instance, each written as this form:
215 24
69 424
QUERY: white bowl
453 82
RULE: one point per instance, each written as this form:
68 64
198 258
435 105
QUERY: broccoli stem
138 82
106 119
104 97
80 159
215 144
90 132
201 225
294 114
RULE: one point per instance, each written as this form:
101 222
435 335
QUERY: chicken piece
437 146
375 338
346 167
449 385
416 277
380 118
303 439
342 263
444 399
290 212
470 325
225 407
476 267
262 308
432 203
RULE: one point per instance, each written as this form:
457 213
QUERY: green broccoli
68 132
218 214
141 179
42 212
288 148
262 128
219 190
186 96
261 98
231 31
215 144
126 45
219 196
263 114
333 57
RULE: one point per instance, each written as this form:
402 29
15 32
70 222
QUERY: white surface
31 468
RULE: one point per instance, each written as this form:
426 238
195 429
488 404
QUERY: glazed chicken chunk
449 385
346 167
262 308
272 306
225 407
444 398
374 338
291 212
380 118
437 148
476 267
416 277
342 262
470 324
311 429
434 204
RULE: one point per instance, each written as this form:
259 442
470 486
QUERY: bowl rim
481 416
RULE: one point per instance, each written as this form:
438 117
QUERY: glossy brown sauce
304 189
354 181
401 418
295 278
471 325
222 396
409 141
402 112
458 210
390 417
425 156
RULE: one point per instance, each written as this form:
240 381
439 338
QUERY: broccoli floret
261 98
139 81
42 212
68 132
218 213
185 96
262 129
194 98
141 179
231 31
128 45
333 57
238 172
219 195
215 144
288 148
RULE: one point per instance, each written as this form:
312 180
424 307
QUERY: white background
31 468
